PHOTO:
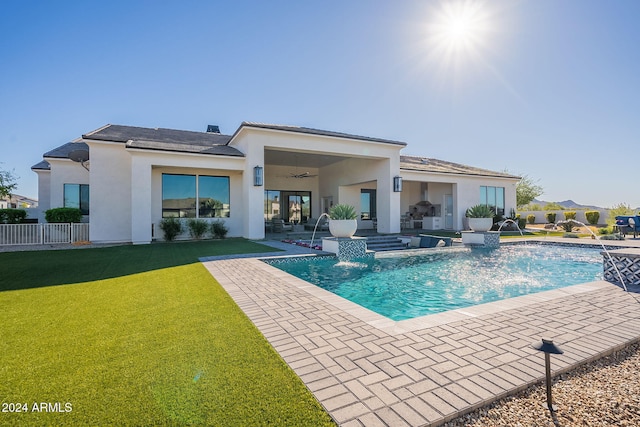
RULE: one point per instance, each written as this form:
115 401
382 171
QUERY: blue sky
548 89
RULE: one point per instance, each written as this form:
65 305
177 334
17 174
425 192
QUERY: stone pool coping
367 371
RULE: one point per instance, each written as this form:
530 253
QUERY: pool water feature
405 287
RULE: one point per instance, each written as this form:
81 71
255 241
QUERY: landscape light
548 347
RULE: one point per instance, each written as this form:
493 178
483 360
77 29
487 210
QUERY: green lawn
138 335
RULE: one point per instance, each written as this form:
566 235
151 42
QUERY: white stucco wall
233 222
110 193
464 189
126 189
44 195
63 171
148 167
367 161
345 179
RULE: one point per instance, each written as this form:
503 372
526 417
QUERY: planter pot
480 224
343 227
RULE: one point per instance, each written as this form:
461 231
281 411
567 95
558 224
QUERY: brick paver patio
367 370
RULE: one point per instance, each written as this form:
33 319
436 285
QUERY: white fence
41 234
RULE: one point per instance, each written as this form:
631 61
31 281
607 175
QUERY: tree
620 209
526 191
553 206
531 207
7 183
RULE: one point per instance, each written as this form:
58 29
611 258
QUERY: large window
213 196
368 204
181 194
493 197
77 196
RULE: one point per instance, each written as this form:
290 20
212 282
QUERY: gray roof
222 150
63 151
43 165
165 139
426 164
311 131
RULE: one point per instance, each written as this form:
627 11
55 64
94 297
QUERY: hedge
63 215
592 217
12 216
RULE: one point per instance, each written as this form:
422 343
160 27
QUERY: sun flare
459 27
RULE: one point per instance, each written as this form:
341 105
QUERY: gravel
605 392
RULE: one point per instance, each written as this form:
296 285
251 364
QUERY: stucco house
125 179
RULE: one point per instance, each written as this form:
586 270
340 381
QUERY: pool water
405 287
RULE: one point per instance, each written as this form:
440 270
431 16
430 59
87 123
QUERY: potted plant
480 217
342 221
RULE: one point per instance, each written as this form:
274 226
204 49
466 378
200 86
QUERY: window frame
490 193
225 212
372 213
83 205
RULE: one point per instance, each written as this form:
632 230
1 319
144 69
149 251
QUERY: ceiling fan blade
302 175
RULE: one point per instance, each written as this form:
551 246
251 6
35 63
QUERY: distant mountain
567 204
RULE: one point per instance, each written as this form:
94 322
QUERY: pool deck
367 370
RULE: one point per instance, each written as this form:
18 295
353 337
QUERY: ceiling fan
301 175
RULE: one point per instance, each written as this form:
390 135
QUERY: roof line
96 130
312 131
489 174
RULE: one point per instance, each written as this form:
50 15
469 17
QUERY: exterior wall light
397 184
548 347
258 176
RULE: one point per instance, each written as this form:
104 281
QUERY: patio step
384 243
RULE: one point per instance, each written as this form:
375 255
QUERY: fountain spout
509 220
316 226
582 224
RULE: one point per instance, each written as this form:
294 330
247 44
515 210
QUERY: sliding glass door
292 206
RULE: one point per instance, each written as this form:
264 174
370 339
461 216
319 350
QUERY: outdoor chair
628 224
405 221
280 226
323 225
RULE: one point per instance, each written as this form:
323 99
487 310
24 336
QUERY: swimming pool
404 287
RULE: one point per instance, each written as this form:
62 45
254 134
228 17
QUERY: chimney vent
213 129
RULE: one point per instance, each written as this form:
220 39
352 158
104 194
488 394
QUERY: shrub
479 211
570 214
571 235
605 230
592 217
619 210
197 228
551 217
219 230
342 211
63 215
568 226
171 227
12 216
531 219
522 223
